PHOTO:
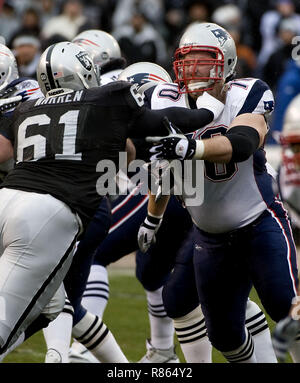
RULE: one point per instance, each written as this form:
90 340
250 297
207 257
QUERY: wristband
199 152
150 215
207 101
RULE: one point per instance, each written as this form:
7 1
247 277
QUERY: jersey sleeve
29 89
251 96
147 96
6 128
134 99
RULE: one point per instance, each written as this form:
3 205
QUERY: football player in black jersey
57 142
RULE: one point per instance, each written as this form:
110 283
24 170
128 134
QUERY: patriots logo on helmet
269 105
143 78
220 35
84 60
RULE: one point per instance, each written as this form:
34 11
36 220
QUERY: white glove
10 102
284 336
147 231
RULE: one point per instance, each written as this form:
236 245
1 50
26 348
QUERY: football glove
9 103
174 146
147 231
284 336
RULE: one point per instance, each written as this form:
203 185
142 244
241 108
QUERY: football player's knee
226 338
56 304
176 303
147 278
278 308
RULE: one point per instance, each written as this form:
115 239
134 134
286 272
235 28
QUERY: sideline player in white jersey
287 332
239 210
289 170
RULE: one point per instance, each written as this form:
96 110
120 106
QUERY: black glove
174 146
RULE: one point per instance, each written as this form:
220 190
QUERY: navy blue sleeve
150 122
253 98
148 94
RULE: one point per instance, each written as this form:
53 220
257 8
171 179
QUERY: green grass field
126 316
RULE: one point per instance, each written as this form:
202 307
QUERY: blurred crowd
265 33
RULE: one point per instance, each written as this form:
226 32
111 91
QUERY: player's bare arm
157 208
242 137
6 149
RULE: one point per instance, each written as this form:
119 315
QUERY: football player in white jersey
287 331
239 209
193 341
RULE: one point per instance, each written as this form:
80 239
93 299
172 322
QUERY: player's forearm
158 208
218 150
150 122
189 120
239 143
6 149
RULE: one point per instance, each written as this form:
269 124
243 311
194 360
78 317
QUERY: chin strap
199 85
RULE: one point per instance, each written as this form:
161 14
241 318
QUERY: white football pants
37 237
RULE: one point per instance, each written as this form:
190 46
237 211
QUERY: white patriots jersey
235 194
27 88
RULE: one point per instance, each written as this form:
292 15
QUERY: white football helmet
66 65
290 135
291 123
204 37
144 74
100 45
8 67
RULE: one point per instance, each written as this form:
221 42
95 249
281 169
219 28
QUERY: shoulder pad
250 95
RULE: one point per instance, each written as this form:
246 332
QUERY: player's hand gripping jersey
232 198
